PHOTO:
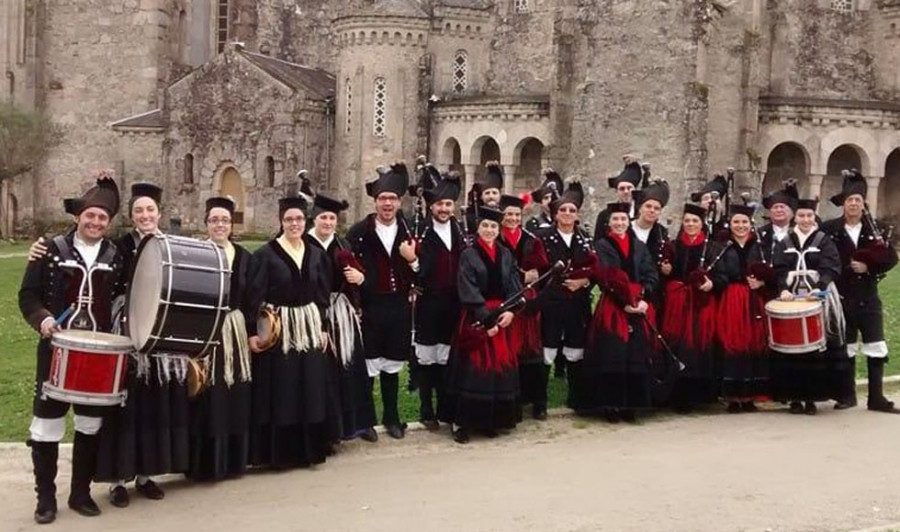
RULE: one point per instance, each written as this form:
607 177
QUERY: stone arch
786 160
451 156
484 149
842 157
772 136
12 214
528 157
859 139
889 189
228 182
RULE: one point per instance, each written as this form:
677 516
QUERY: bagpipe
882 251
517 300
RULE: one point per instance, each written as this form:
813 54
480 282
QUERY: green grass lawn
17 345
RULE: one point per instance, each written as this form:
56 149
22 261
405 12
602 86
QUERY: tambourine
268 327
196 378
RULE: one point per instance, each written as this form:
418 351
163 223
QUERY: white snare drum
88 368
796 327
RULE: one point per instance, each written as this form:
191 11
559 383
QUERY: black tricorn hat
149 190
448 187
574 194
72 206
292 202
323 203
657 190
632 173
105 195
222 202
696 210
553 184
493 176
618 206
746 210
854 183
508 200
394 179
490 213
717 184
810 204
788 195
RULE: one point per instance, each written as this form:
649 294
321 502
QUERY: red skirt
742 328
486 353
524 336
689 319
611 316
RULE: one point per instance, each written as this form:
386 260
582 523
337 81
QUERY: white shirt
387 234
87 251
567 237
327 242
642 234
778 232
853 231
801 236
444 231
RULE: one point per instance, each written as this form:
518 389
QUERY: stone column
872 195
470 177
815 186
509 178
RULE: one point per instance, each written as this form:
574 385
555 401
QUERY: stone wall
230 114
521 59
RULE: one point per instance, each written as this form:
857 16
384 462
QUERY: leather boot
44 457
539 407
84 464
390 387
877 401
426 408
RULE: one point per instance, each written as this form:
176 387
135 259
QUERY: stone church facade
209 97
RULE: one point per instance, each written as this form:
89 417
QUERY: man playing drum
47 290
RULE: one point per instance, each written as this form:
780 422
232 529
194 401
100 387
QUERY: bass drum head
145 290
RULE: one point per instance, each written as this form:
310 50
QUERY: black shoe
461 436
119 497
539 413
396 431
84 505
844 405
369 435
491 433
431 425
810 409
882 405
628 416
734 407
44 515
748 406
612 415
150 490
796 407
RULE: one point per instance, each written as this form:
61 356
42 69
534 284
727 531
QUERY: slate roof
150 120
317 83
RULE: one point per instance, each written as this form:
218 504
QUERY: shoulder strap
817 239
63 247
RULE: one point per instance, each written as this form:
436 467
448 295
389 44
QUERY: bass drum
178 296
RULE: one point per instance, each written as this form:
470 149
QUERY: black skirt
614 373
820 376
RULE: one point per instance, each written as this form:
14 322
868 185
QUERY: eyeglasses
219 221
294 220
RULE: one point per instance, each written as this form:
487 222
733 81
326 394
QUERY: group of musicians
480 307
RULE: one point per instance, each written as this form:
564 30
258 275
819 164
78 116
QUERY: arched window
183 36
460 71
222 25
188 169
348 94
521 6
380 117
270 171
842 6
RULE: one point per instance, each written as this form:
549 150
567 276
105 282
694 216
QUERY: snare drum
796 327
178 296
88 368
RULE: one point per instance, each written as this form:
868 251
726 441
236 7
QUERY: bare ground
712 472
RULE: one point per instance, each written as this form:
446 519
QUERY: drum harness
835 324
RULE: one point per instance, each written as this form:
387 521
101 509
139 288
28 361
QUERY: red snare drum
88 368
796 327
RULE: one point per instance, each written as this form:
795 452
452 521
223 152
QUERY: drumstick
65 314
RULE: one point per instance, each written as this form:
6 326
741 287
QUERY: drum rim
77 339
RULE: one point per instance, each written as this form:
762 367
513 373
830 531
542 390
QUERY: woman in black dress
292 401
483 384
220 415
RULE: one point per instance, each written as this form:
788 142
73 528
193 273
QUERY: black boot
559 366
84 464
437 383
426 408
44 456
573 375
390 387
849 384
539 407
877 401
